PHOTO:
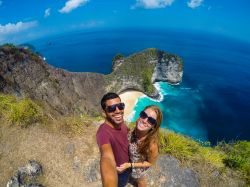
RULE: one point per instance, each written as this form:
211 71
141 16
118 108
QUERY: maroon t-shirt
117 138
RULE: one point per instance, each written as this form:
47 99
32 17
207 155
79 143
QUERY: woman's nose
145 120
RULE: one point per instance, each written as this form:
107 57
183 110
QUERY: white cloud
194 3
47 12
71 5
11 28
152 4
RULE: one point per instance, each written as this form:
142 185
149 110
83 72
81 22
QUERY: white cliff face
168 70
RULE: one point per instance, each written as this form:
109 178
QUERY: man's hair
108 96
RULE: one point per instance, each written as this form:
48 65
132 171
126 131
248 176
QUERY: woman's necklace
139 138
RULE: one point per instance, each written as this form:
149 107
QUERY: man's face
115 117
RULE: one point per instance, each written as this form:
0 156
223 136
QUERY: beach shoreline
130 99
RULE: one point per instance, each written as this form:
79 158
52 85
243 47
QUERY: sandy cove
130 98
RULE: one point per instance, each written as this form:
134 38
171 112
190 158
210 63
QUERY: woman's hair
153 134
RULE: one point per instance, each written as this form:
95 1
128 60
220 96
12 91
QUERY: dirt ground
63 157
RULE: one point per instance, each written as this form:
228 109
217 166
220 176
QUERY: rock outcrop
168 70
26 175
166 172
26 74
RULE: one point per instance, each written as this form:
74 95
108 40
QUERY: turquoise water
213 100
178 115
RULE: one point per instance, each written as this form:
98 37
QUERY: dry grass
50 147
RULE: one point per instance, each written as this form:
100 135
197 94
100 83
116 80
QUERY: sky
27 20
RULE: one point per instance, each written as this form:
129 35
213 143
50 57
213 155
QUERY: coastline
130 99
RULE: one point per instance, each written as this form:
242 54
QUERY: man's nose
116 108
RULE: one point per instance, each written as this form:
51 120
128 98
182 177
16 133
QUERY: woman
143 144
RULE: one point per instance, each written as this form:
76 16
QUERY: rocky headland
25 74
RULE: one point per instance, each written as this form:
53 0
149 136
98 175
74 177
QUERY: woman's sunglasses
112 108
150 120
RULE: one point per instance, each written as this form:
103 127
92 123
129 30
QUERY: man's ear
104 114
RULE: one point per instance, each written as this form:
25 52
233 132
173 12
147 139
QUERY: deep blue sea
213 100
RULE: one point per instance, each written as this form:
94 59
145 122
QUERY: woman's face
144 123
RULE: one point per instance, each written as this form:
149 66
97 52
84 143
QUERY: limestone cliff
140 70
26 74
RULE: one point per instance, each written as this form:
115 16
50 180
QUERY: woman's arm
127 165
153 153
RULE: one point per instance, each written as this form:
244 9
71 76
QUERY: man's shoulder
103 128
124 126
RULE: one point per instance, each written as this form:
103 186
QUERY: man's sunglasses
112 108
150 120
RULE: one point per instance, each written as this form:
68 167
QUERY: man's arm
108 166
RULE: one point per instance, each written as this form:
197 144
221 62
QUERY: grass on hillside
23 112
75 125
233 158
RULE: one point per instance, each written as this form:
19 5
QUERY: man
112 141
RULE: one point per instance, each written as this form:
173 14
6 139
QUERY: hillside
49 119
68 155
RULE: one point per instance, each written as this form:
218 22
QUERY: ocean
212 103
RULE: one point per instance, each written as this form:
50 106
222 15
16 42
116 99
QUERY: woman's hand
123 167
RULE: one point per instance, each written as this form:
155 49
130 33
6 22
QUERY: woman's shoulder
153 145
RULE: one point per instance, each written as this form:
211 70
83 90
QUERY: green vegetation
10 45
233 156
22 112
146 76
184 148
11 49
19 53
138 68
119 56
135 67
237 156
152 52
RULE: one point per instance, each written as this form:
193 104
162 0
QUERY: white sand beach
130 98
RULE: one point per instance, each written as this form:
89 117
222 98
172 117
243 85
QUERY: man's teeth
118 116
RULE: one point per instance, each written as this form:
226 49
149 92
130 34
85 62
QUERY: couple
125 153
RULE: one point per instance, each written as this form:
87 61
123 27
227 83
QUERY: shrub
177 145
237 156
184 148
22 112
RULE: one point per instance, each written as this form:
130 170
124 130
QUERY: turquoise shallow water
213 100
174 105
